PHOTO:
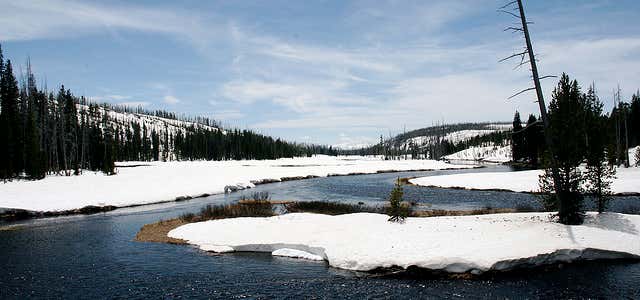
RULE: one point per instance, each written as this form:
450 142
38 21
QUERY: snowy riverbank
152 182
474 244
627 181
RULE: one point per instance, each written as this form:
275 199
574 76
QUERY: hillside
146 123
438 141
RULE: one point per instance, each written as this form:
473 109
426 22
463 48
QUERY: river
94 256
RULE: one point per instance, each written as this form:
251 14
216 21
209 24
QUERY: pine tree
11 123
396 211
634 120
567 127
4 129
71 134
534 140
517 140
599 174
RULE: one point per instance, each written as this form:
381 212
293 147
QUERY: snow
463 135
293 253
627 181
476 244
152 182
497 154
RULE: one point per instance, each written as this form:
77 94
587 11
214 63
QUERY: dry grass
157 232
405 180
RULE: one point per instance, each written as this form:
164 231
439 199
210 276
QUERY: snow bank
627 181
151 182
475 244
293 253
488 154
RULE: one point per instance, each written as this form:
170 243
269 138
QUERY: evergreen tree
71 133
534 140
517 146
634 120
567 128
33 168
11 123
396 211
599 174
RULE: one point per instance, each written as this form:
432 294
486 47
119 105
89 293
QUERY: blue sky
330 72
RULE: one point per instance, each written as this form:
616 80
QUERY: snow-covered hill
497 154
451 133
164 127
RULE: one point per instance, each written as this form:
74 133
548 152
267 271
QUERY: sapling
396 211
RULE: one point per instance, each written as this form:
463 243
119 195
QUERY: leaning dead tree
527 56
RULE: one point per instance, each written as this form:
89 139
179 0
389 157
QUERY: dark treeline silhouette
618 131
43 132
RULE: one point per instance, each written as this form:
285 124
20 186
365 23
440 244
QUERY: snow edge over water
367 242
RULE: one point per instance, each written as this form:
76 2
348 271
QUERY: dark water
95 256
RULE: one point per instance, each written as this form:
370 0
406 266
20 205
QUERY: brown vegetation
157 232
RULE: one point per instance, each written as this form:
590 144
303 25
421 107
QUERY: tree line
587 146
618 130
44 132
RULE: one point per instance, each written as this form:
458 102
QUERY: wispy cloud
374 67
171 100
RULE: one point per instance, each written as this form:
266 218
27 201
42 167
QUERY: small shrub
187 217
261 196
397 211
255 209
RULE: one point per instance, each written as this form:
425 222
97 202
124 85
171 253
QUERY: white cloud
169 99
404 63
135 103
228 114
300 97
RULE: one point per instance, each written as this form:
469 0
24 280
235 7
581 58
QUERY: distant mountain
438 141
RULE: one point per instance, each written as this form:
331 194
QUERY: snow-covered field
494 154
475 244
627 181
165 181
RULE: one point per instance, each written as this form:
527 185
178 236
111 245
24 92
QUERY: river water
95 256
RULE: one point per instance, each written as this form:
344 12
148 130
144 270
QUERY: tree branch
523 91
513 29
508 4
509 13
548 76
521 54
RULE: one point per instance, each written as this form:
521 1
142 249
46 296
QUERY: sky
328 72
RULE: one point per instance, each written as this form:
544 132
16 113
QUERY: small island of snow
473 244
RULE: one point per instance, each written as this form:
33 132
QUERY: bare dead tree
527 56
